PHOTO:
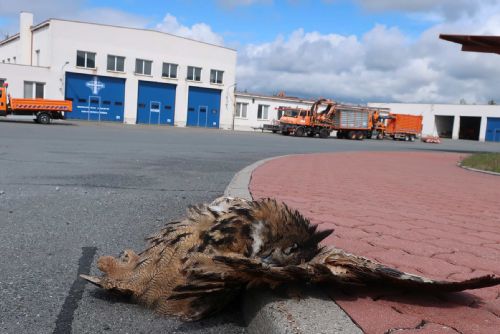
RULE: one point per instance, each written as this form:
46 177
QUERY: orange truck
399 127
325 116
42 110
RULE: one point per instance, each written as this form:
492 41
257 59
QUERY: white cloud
381 65
199 31
63 9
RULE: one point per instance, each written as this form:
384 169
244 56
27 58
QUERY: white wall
253 101
16 74
9 50
429 111
150 45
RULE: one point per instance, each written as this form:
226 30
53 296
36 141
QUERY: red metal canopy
489 44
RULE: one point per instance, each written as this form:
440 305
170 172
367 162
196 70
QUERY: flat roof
475 43
274 97
47 22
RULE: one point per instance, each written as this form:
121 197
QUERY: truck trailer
325 116
42 110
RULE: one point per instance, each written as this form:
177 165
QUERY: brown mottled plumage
194 267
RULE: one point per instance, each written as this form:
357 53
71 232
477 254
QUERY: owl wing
219 273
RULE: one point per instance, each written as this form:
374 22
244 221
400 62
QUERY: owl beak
92 279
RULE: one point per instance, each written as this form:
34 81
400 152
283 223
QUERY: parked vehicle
325 116
42 110
399 127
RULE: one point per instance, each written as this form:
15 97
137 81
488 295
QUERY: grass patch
484 161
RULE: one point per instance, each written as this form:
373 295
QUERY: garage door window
33 90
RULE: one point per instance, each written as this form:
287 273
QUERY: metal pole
234 106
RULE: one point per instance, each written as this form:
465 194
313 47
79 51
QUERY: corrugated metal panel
156 103
351 119
95 98
204 107
493 129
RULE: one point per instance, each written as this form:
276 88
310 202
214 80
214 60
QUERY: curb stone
478 170
266 312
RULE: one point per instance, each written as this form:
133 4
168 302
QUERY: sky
350 50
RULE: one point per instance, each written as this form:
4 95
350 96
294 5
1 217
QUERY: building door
94 109
493 129
204 107
95 98
156 103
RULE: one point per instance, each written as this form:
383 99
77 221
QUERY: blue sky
265 20
349 50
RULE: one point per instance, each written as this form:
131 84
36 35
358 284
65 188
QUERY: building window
33 90
85 59
169 71
116 63
194 73
143 66
216 77
241 110
263 112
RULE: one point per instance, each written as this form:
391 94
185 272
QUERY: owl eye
289 250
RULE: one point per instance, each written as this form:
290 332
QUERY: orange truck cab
42 110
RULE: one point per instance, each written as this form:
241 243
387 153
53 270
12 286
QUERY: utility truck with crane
350 122
42 110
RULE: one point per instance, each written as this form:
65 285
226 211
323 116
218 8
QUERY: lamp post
234 103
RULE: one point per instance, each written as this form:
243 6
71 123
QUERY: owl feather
193 267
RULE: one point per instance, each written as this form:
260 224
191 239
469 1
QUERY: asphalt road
72 192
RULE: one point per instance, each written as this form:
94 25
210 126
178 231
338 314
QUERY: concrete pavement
417 212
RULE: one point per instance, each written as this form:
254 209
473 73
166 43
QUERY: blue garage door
95 98
155 103
203 107
493 129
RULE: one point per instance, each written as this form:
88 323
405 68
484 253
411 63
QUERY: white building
255 110
121 74
460 121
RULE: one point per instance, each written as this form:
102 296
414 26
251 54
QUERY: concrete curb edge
478 170
268 313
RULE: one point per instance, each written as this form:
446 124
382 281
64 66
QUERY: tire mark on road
65 317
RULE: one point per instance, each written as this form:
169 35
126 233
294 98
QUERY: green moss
484 161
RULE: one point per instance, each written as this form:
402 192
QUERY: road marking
65 317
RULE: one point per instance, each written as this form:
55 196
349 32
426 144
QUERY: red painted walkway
417 212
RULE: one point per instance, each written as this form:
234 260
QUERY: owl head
281 236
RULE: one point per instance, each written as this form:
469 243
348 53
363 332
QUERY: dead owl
194 267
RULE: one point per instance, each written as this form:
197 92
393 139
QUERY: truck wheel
274 131
380 136
285 133
369 135
340 135
324 133
351 135
412 138
360 135
43 118
299 132
407 138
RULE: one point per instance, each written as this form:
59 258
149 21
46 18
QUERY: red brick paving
417 212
